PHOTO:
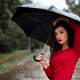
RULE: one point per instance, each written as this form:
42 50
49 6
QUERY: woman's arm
48 71
76 28
46 66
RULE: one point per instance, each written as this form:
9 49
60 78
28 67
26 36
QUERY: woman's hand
42 60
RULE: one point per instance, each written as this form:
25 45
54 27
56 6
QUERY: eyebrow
60 31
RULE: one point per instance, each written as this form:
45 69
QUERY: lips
59 40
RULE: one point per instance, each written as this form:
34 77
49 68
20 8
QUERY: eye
61 32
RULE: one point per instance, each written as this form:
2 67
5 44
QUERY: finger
42 53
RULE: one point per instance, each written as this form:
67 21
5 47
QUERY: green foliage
11 35
23 2
73 6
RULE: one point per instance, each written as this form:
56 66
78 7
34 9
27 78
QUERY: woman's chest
65 58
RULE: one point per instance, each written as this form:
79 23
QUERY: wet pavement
28 69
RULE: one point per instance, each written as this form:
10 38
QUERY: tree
11 36
74 6
23 2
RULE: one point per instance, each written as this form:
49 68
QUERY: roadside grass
8 60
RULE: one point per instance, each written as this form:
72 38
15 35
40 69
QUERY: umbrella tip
51 7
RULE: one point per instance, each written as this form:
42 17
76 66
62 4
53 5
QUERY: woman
65 49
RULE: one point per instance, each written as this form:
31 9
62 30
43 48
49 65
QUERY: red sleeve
76 28
48 72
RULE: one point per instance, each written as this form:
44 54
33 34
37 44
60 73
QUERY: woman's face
61 35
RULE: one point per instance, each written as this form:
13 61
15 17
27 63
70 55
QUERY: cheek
65 37
56 37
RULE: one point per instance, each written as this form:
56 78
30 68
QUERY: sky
60 4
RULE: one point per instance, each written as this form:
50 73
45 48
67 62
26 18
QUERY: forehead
60 28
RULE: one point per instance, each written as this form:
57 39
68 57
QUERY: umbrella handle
43 51
34 57
37 60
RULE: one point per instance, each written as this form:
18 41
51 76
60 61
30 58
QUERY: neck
65 46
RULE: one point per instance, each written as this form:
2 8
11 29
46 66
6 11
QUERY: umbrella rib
43 51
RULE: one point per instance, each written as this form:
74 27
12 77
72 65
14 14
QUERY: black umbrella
37 22
34 22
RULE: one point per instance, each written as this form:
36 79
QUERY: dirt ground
26 70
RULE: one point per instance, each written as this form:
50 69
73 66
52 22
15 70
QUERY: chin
61 43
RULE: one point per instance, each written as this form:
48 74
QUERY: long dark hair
55 46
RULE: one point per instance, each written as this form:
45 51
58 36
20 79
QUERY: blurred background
15 47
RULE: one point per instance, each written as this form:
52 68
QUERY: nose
58 36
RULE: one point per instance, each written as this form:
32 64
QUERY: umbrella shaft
44 48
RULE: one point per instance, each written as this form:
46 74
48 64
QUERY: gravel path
28 69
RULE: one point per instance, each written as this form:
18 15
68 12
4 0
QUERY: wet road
28 69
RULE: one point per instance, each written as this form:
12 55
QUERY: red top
62 63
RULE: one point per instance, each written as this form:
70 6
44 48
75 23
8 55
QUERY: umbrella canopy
37 22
